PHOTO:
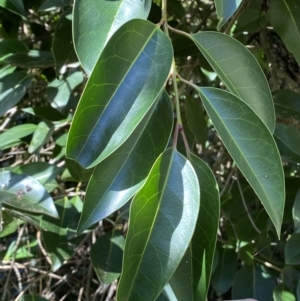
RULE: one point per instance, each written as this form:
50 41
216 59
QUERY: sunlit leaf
125 83
163 216
282 294
122 174
252 147
239 71
94 22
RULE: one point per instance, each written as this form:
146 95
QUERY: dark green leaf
287 104
192 277
106 256
239 71
296 213
46 112
32 298
122 174
122 88
292 250
225 10
223 276
78 173
285 19
53 4
24 192
9 46
163 216
94 23
15 6
252 282
252 147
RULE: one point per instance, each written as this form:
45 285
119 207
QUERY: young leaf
285 19
94 22
192 277
125 83
122 174
239 71
25 193
252 147
163 216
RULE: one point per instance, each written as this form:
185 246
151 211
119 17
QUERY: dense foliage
149 150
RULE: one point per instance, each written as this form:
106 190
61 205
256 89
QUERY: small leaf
163 216
282 294
296 213
24 192
225 10
94 23
251 281
239 71
122 174
252 147
123 86
287 104
287 24
106 256
192 277
292 251
15 134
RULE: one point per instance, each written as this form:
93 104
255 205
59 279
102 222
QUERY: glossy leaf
282 294
15 134
288 141
292 251
192 277
239 71
163 216
252 147
62 45
8 46
225 10
122 174
223 276
15 6
106 256
94 22
12 88
287 24
122 88
296 213
287 104
251 281
24 192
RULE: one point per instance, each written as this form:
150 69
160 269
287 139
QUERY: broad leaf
287 104
163 216
122 88
223 276
285 19
15 6
94 22
251 281
296 213
25 193
9 46
239 71
106 256
45 112
192 277
292 251
252 147
282 294
225 10
122 174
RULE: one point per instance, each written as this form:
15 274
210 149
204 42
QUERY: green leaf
94 23
163 216
282 294
15 134
12 88
192 277
287 104
46 112
77 172
32 298
122 174
288 141
292 250
296 213
196 120
15 6
239 71
225 10
62 45
9 46
106 256
123 86
40 136
223 276
252 147
287 24
49 5
252 282
24 192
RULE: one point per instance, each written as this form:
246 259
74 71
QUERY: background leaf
225 10
162 220
296 212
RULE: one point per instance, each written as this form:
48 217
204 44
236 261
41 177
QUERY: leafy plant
164 111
